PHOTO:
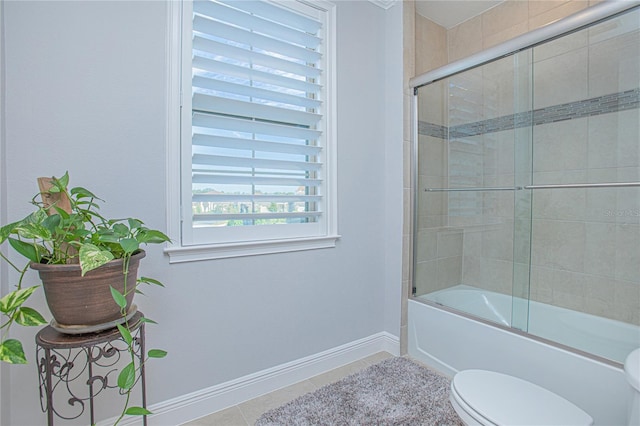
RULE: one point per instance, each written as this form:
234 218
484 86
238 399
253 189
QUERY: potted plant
88 265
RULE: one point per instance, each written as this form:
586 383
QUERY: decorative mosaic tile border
434 130
605 104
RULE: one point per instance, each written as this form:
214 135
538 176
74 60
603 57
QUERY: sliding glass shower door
527 201
586 199
474 148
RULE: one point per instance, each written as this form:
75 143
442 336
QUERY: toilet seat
491 398
632 369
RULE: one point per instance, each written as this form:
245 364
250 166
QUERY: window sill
179 254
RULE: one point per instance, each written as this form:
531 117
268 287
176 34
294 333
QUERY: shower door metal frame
562 27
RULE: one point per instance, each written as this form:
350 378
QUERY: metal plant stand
65 359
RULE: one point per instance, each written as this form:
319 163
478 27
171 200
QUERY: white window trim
186 253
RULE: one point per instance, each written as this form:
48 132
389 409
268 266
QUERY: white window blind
257 122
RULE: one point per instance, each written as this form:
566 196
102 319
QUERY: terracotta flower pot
84 304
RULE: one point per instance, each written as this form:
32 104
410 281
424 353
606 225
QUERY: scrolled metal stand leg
90 381
48 386
62 363
143 381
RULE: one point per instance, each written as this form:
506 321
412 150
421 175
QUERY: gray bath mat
396 391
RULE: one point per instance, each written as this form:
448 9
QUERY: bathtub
449 343
599 336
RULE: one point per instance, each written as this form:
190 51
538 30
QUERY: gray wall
86 92
4 384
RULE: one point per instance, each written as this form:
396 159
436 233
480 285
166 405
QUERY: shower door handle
549 186
584 185
508 188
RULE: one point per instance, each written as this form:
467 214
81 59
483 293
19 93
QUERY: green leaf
129 245
29 317
148 280
7 230
81 192
53 189
83 233
62 182
134 223
25 249
147 320
121 301
11 351
89 207
137 411
63 213
15 299
33 230
52 222
92 257
36 217
121 229
152 236
126 334
107 236
157 353
127 377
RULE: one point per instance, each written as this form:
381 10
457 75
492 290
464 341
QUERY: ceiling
449 13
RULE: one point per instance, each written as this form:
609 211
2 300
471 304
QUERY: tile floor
246 413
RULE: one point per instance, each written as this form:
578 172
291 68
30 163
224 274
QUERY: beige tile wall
430 45
505 21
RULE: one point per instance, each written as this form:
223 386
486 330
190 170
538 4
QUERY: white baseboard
215 398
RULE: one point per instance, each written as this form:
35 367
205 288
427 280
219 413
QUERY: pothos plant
66 227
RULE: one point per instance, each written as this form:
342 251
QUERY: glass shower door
586 209
527 191
472 223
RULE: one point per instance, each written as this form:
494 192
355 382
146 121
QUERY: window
257 145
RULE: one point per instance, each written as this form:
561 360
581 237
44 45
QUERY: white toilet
486 398
632 371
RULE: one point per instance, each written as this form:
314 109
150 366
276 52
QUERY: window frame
184 247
